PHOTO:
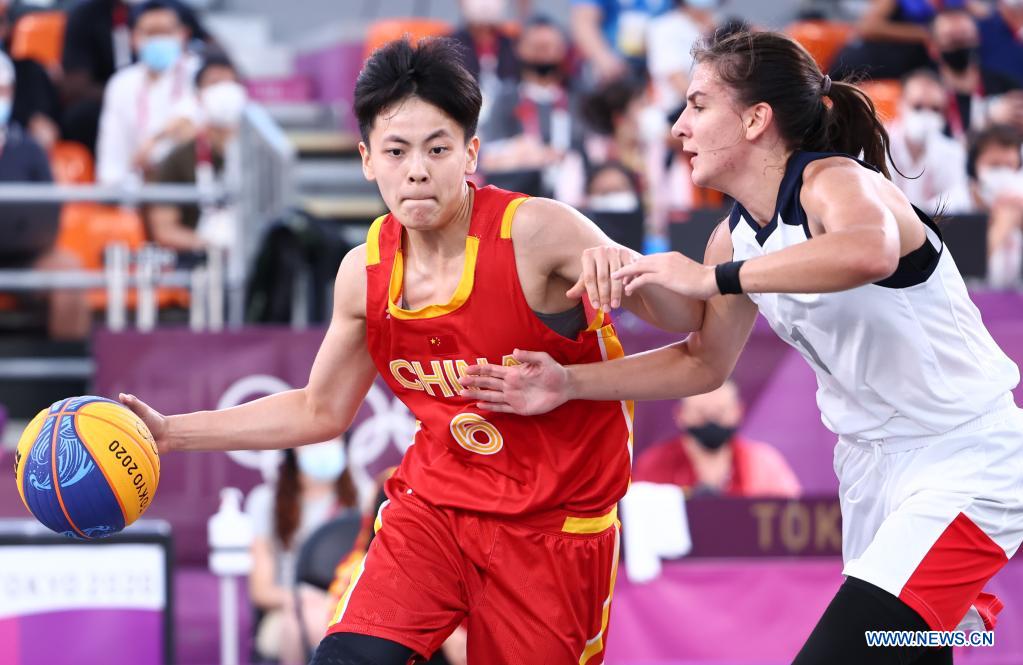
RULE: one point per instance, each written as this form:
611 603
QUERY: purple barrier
333 71
746 613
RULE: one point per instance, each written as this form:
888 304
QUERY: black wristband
727 276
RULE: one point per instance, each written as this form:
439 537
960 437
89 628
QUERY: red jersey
573 461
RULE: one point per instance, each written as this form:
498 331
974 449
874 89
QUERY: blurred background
179 180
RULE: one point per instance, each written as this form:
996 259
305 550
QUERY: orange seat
388 30
40 36
85 231
823 39
71 163
885 93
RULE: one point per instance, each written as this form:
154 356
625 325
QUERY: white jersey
908 356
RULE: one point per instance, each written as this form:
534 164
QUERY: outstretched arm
696 365
340 378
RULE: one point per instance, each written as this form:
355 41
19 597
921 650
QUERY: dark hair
771 68
287 506
613 165
600 109
922 73
152 6
214 59
431 70
999 135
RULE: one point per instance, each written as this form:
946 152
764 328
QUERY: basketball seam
152 470
99 465
56 478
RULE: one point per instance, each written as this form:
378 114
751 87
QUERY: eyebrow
393 138
692 96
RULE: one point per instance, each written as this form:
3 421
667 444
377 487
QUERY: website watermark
929 638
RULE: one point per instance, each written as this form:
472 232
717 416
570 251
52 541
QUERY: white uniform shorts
932 519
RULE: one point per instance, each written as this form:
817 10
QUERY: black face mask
960 58
712 435
543 69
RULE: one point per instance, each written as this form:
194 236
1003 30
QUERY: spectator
23 160
312 486
709 457
97 43
1001 39
489 54
612 188
926 161
670 40
995 167
613 115
201 159
956 44
892 42
611 34
142 104
35 96
531 127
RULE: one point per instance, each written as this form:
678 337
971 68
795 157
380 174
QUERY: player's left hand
673 271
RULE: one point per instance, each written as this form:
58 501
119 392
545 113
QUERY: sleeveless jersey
906 356
573 461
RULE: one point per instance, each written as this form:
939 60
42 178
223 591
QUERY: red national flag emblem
442 344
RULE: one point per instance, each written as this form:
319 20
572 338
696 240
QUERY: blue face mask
324 462
5 110
160 53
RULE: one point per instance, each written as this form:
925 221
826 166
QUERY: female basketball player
930 450
506 523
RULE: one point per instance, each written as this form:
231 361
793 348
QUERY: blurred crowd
581 112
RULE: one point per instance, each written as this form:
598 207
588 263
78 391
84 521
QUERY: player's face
419 158
711 128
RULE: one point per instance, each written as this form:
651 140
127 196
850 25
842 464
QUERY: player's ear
472 154
367 164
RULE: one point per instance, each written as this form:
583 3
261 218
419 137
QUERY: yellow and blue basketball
86 467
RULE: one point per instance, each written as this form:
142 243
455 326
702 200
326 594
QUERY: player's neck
756 183
447 239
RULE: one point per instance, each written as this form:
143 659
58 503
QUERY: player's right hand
154 420
601 289
537 385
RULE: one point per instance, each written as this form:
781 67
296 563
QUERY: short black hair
1004 136
215 59
152 6
430 70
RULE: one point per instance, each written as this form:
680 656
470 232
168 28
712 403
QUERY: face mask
543 69
483 12
160 53
614 202
959 59
324 462
5 110
920 125
223 103
712 435
997 180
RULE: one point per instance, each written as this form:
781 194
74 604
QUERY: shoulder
538 216
658 462
260 500
825 179
125 80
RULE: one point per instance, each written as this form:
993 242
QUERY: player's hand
673 271
596 281
154 420
537 385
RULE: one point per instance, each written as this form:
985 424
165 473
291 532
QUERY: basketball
86 467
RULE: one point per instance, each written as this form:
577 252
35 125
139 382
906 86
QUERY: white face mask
614 202
223 103
483 12
324 462
999 180
921 125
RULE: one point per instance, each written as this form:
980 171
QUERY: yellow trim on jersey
373 241
595 644
598 321
472 245
509 214
590 524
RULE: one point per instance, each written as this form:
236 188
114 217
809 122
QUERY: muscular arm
859 245
554 236
340 378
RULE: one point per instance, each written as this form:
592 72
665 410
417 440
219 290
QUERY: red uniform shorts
538 594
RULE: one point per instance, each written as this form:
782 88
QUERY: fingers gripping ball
86 467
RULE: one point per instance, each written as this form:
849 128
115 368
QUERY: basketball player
930 443
503 521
